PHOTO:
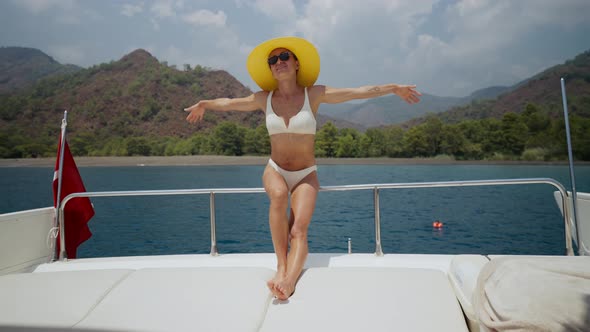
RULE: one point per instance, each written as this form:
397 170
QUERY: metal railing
374 187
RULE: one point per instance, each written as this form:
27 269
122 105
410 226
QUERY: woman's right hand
196 112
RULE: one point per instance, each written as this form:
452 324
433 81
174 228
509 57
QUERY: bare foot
285 289
273 283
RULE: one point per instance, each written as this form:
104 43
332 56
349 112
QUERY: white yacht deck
228 293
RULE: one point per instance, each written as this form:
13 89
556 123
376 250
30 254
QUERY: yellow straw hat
306 53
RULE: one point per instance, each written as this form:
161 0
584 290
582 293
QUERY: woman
286 69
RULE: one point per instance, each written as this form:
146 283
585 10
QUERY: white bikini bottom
292 178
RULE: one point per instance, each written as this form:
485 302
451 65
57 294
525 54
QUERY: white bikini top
301 123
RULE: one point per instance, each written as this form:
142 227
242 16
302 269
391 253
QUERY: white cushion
542 293
463 273
368 299
53 299
185 299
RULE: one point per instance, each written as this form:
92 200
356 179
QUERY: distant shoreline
255 160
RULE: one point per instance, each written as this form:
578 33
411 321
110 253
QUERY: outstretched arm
245 104
340 95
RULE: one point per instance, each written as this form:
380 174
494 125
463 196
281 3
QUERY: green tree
514 134
491 136
377 142
473 130
433 132
346 147
394 141
580 137
453 142
150 109
138 146
473 151
183 147
82 144
364 145
228 139
415 143
257 141
535 120
114 146
11 106
10 139
31 150
326 139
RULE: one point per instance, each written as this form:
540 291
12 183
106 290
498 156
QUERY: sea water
513 219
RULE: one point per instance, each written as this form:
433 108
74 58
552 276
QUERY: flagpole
59 218
571 166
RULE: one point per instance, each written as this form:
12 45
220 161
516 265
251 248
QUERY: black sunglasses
283 56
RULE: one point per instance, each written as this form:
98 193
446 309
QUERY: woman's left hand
408 93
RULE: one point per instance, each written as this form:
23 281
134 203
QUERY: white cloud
206 17
68 12
276 9
165 8
39 6
131 9
323 21
363 42
445 47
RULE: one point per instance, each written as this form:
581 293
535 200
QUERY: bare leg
303 199
278 193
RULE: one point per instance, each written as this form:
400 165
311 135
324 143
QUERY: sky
446 48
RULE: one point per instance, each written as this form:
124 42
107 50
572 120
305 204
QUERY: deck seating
368 299
53 299
231 299
190 299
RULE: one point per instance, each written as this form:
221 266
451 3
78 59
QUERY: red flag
78 210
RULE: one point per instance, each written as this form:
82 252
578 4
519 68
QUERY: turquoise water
490 220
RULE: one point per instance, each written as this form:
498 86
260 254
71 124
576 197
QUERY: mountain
489 93
134 96
338 123
391 109
20 67
542 89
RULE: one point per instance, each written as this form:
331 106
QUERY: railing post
378 249
349 245
212 216
571 164
63 254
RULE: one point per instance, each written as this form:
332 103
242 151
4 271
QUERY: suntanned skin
293 152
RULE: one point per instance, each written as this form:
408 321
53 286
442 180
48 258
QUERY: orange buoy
437 224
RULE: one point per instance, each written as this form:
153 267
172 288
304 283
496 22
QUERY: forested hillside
126 107
543 90
134 106
108 104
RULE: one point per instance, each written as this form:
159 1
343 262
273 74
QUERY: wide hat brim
307 55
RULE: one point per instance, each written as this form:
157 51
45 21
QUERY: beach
252 160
